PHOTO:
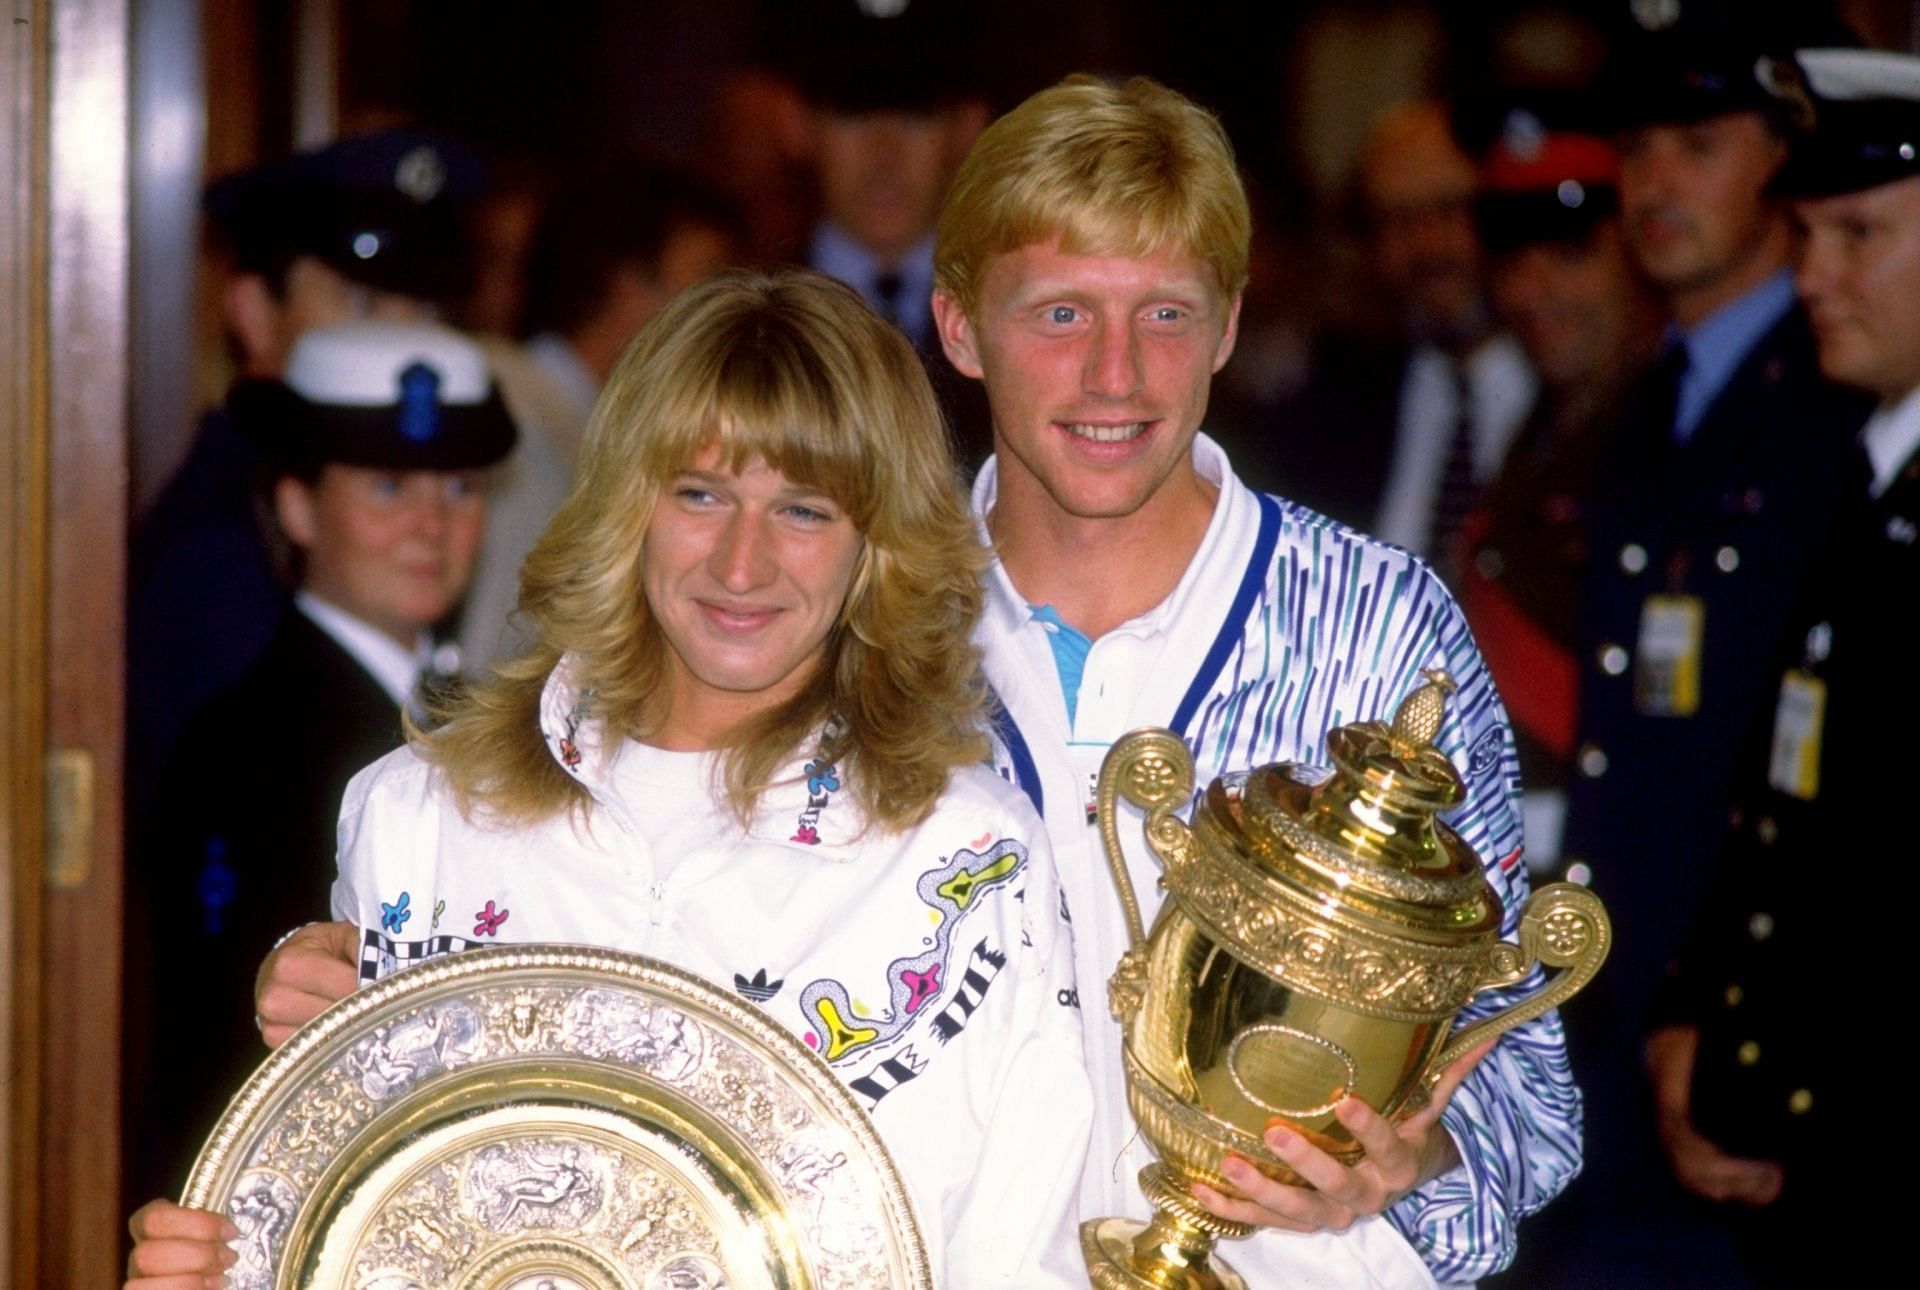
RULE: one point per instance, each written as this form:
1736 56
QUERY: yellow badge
1793 765
1666 673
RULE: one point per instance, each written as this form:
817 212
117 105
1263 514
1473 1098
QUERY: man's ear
956 334
293 507
253 316
1224 350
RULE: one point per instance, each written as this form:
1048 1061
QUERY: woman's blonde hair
1108 169
792 368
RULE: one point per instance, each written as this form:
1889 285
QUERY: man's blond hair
1130 169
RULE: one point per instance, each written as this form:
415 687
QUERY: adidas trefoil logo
758 988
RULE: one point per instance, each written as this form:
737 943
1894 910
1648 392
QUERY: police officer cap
858 56
1680 61
392 396
1548 173
1861 110
381 209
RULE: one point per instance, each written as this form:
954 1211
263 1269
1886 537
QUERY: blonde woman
747 742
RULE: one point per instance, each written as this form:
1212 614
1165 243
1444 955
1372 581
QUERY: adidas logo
758 988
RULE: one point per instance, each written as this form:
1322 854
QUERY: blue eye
387 486
1062 314
1167 313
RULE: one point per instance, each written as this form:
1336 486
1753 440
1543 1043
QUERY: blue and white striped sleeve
1516 1119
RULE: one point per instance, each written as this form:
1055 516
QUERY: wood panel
23 425
87 466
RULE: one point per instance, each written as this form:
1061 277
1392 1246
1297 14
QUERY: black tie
1457 488
886 291
1668 372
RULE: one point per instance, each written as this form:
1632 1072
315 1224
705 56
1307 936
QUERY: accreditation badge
1793 763
1666 674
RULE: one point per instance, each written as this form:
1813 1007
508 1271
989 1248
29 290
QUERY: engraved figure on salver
690 1272
545 1186
660 1041
262 1208
395 1057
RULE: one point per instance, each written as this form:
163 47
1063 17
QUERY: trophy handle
1565 926
1152 769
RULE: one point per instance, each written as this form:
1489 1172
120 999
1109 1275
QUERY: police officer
374 442
1762 1076
894 103
368 227
1729 455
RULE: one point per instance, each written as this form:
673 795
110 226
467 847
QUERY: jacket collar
807 808
1230 533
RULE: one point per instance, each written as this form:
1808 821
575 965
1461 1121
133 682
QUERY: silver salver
553 1118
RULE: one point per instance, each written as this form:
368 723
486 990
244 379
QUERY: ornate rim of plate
560 1115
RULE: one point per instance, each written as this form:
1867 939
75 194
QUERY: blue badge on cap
419 403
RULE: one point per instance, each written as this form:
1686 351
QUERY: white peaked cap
359 364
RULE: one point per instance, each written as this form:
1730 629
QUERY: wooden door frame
63 504
22 622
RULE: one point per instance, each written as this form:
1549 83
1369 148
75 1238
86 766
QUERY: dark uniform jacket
1786 973
203 601
238 851
1730 518
1790 975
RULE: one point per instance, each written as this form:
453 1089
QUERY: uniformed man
1765 1075
1728 455
1566 287
368 227
893 106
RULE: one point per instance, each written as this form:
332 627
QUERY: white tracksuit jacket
931 968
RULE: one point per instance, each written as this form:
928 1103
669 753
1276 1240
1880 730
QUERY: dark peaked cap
1679 61
383 210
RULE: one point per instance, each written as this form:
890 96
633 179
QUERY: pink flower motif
487 922
807 834
923 986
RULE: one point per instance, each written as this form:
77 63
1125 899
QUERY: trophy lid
1366 840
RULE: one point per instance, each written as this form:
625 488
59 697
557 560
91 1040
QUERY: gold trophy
1316 944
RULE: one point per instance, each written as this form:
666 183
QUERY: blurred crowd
1618 329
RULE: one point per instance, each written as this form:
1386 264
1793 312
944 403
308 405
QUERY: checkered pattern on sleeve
381 955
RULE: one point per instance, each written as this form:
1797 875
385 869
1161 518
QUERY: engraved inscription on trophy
1270 1057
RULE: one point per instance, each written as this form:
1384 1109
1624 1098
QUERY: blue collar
1718 344
836 254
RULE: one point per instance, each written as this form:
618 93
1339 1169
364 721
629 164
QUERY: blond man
1090 264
